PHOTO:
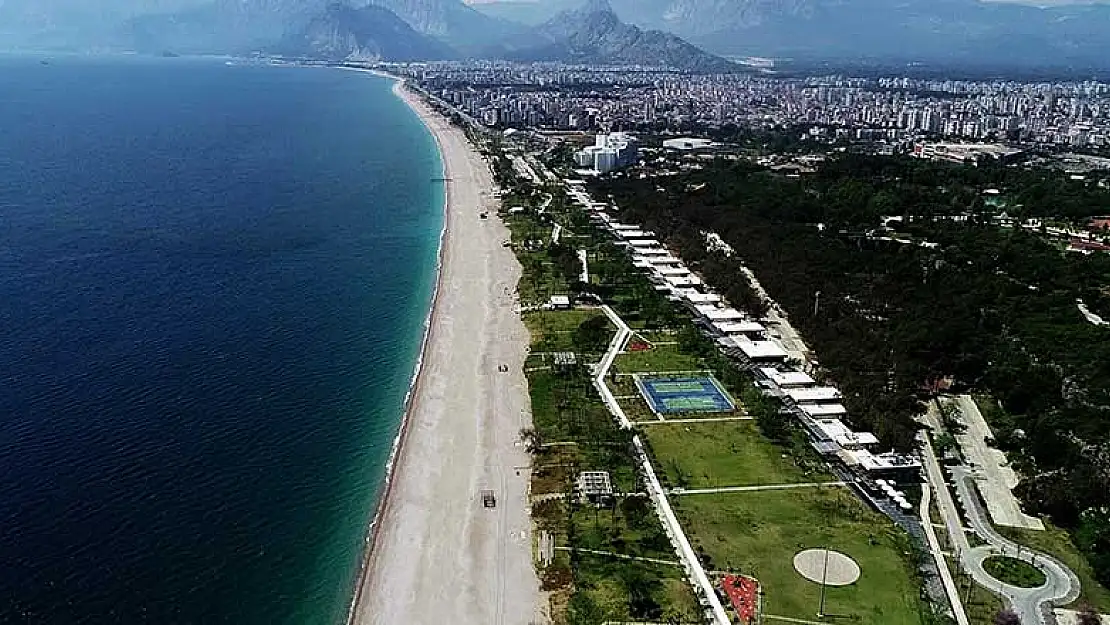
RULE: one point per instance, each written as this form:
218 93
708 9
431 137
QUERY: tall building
609 152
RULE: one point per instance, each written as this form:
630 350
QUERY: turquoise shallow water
213 282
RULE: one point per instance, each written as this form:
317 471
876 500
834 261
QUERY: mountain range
688 34
964 32
397 30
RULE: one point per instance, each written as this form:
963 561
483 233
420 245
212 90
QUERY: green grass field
661 359
553 330
1014 572
760 532
729 453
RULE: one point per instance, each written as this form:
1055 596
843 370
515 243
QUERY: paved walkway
749 489
621 556
709 420
950 588
715 610
787 619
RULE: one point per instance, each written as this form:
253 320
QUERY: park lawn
760 532
661 359
553 470
1057 543
605 583
553 330
630 528
728 453
637 409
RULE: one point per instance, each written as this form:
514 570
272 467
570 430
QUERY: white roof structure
816 395
857 439
671 270
884 462
652 251
832 427
665 260
617 226
739 327
716 313
755 350
787 379
643 243
683 281
695 296
640 263
817 411
634 234
843 435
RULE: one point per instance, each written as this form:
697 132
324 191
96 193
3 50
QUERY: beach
436 554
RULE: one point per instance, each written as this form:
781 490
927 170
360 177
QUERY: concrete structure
765 352
751 329
559 302
688 143
595 487
609 152
965 152
993 475
787 379
815 395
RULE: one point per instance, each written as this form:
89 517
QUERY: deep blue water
213 282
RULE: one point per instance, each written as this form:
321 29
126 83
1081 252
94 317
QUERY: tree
1007 617
1088 616
592 335
533 440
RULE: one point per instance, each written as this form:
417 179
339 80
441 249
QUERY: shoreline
425 517
414 381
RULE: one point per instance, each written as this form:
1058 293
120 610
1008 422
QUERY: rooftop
816 395
787 379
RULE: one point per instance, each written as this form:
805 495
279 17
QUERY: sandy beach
438 556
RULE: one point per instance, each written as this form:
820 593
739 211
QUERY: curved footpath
437 555
1061 585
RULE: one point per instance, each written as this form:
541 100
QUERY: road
1061 586
1030 604
993 474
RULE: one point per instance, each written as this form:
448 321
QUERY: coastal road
438 556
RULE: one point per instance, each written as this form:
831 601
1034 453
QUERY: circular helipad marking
840 570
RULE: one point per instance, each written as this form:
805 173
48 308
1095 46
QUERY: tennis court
684 394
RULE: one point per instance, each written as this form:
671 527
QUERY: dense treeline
891 315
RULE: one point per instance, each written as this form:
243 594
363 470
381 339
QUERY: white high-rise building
609 152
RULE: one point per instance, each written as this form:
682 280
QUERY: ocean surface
213 285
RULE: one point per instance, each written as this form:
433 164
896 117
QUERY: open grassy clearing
661 359
760 532
729 453
555 331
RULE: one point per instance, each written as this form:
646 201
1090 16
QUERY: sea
214 281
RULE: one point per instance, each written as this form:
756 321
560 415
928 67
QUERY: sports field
668 395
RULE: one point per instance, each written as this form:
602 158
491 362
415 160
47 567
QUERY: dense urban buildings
566 97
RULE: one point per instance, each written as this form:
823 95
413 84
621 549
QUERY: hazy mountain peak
593 33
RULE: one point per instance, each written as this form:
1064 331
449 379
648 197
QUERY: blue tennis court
684 394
